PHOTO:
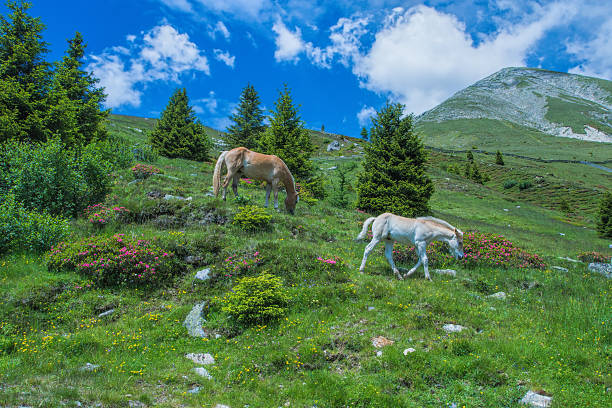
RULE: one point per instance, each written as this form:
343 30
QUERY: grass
552 333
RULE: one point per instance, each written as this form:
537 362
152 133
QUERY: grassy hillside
551 333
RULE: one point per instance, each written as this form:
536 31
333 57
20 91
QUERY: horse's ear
456 232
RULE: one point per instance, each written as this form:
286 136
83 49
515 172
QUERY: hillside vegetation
58 347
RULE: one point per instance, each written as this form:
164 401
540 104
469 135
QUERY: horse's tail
217 173
364 230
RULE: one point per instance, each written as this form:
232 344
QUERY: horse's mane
439 221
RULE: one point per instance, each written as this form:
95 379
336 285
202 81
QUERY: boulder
560 268
498 295
333 146
603 268
201 358
381 341
409 350
536 400
203 275
452 328
108 312
194 321
450 272
201 371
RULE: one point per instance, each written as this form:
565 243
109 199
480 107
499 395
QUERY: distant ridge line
442 150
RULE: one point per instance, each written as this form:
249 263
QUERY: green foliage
24 75
364 133
257 300
24 230
593 256
393 177
470 156
178 133
144 153
564 206
524 185
339 196
604 218
508 184
144 171
252 218
116 261
499 159
287 138
315 188
50 177
472 172
248 121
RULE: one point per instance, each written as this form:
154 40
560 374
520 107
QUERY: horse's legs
422 248
229 176
389 255
367 251
418 251
268 190
235 184
275 188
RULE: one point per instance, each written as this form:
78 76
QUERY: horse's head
456 244
291 201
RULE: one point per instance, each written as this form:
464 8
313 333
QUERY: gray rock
203 275
370 308
333 146
166 176
560 268
409 350
136 404
498 295
194 321
450 272
134 182
108 312
194 390
201 358
603 268
172 197
201 371
193 259
378 353
452 328
221 406
209 194
536 400
90 367
569 259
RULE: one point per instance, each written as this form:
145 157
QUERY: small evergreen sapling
499 159
248 121
604 221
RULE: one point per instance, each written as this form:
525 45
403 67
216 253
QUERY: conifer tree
74 100
178 133
393 177
604 222
364 133
287 138
248 121
24 75
499 159
470 156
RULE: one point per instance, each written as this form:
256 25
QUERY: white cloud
225 57
182 5
210 103
364 115
163 54
289 44
423 56
219 28
244 9
596 55
131 38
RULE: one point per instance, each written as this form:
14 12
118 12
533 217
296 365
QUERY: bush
116 261
256 300
252 218
335 268
235 265
100 215
144 153
143 171
315 187
23 230
479 249
508 184
604 218
524 185
593 257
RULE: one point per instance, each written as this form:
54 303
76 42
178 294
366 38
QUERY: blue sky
341 59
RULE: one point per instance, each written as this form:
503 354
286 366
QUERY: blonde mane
439 221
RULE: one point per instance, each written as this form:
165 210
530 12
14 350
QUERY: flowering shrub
99 215
236 265
593 257
334 267
115 261
256 299
479 249
143 171
252 218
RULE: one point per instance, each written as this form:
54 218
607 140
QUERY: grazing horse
419 231
264 167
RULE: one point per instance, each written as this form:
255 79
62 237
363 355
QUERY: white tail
364 230
217 173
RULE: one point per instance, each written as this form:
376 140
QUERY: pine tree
323 128
178 133
364 133
248 121
393 177
604 222
287 138
24 75
74 101
499 158
470 156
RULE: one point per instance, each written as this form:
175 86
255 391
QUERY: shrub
116 261
256 300
499 159
143 171
508 184
235 265
335 268
252 218
243 200
593 257
479 249
604 218
524 185
144 153
23 230
315 187
100 215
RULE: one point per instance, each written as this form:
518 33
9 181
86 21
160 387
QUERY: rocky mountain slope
554 103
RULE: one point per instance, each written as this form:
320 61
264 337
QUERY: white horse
419 231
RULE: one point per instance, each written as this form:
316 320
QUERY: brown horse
264 167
